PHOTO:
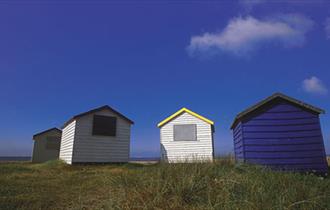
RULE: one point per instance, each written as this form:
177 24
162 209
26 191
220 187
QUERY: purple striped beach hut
282 133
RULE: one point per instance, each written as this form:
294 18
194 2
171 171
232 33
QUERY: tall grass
218 185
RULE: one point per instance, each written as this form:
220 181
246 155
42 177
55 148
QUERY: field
219 185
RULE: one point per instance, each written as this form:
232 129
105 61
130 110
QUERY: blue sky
148 59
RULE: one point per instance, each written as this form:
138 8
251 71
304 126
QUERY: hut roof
180 112
271 98
106 107
46 131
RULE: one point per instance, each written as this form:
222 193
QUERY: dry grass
219 185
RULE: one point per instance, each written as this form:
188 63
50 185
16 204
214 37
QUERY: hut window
53 143
104 125
185 132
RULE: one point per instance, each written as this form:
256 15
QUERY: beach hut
46 145
282 133
186 136
101 135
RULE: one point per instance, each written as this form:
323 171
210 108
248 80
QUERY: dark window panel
53 143
104 125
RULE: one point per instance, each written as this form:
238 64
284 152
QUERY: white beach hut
186 136
100 135
46 145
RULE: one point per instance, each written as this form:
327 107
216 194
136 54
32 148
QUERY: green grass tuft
218 185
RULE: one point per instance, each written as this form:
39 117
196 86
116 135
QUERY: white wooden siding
40 152
67 141
181 151
93 148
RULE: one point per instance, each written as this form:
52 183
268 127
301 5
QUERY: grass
219 185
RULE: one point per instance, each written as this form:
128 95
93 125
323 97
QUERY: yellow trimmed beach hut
186 136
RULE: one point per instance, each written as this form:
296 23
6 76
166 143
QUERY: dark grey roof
272 97
43 132
106 107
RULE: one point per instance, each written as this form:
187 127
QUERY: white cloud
242 36
314 85
327 27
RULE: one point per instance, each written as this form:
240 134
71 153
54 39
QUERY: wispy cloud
244 35
314 85
249 4
327 27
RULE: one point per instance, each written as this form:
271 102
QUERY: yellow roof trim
180 112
